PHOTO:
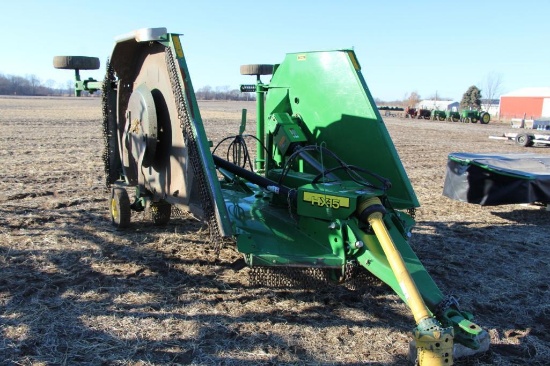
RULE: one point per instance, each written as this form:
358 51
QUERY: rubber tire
525 140
260 69
160 213
441 118
119 207
473 120
454 119
485 118
76 62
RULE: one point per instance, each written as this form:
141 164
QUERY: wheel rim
114 209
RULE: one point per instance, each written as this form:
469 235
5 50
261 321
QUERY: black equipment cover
498 179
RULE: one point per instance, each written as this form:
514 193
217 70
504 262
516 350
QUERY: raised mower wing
161 140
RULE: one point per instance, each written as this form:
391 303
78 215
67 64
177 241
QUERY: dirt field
75 291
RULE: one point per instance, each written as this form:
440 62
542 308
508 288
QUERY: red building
529 103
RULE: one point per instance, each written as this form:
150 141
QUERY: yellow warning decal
323 200
354 61
301 57
177 45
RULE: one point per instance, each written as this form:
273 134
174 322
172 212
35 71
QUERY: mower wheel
76 62
525 139
160 213
120 208
261 69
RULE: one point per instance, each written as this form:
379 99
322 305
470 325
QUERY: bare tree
436 96
18 85
221 92
70 87
492 88
412 99
4 85
205 93
34 83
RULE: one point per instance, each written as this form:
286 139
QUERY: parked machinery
473 116
411 112
466 116
452 116
424 113
328 193
438 115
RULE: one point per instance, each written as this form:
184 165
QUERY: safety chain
193 151
356 277
350 273
177 212
447 302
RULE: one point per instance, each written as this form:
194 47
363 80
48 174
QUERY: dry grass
75 291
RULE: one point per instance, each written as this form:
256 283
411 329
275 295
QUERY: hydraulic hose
255 178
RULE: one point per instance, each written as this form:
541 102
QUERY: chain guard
353 278
111 159
207 201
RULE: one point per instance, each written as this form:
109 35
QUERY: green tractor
452 116
473 116
327 191
438 115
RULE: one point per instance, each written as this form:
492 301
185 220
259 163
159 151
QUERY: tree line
222 93
31 85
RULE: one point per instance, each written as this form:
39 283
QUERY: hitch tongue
433 342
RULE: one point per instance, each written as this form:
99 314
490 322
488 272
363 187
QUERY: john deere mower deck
327 190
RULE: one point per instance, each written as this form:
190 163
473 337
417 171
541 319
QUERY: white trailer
533 132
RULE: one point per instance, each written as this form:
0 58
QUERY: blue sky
403 46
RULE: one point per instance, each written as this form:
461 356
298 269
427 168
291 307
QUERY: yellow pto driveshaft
433 342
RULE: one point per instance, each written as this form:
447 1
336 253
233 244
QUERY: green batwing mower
327 191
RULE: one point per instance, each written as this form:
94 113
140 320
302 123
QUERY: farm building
441 105
527 103
490 106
